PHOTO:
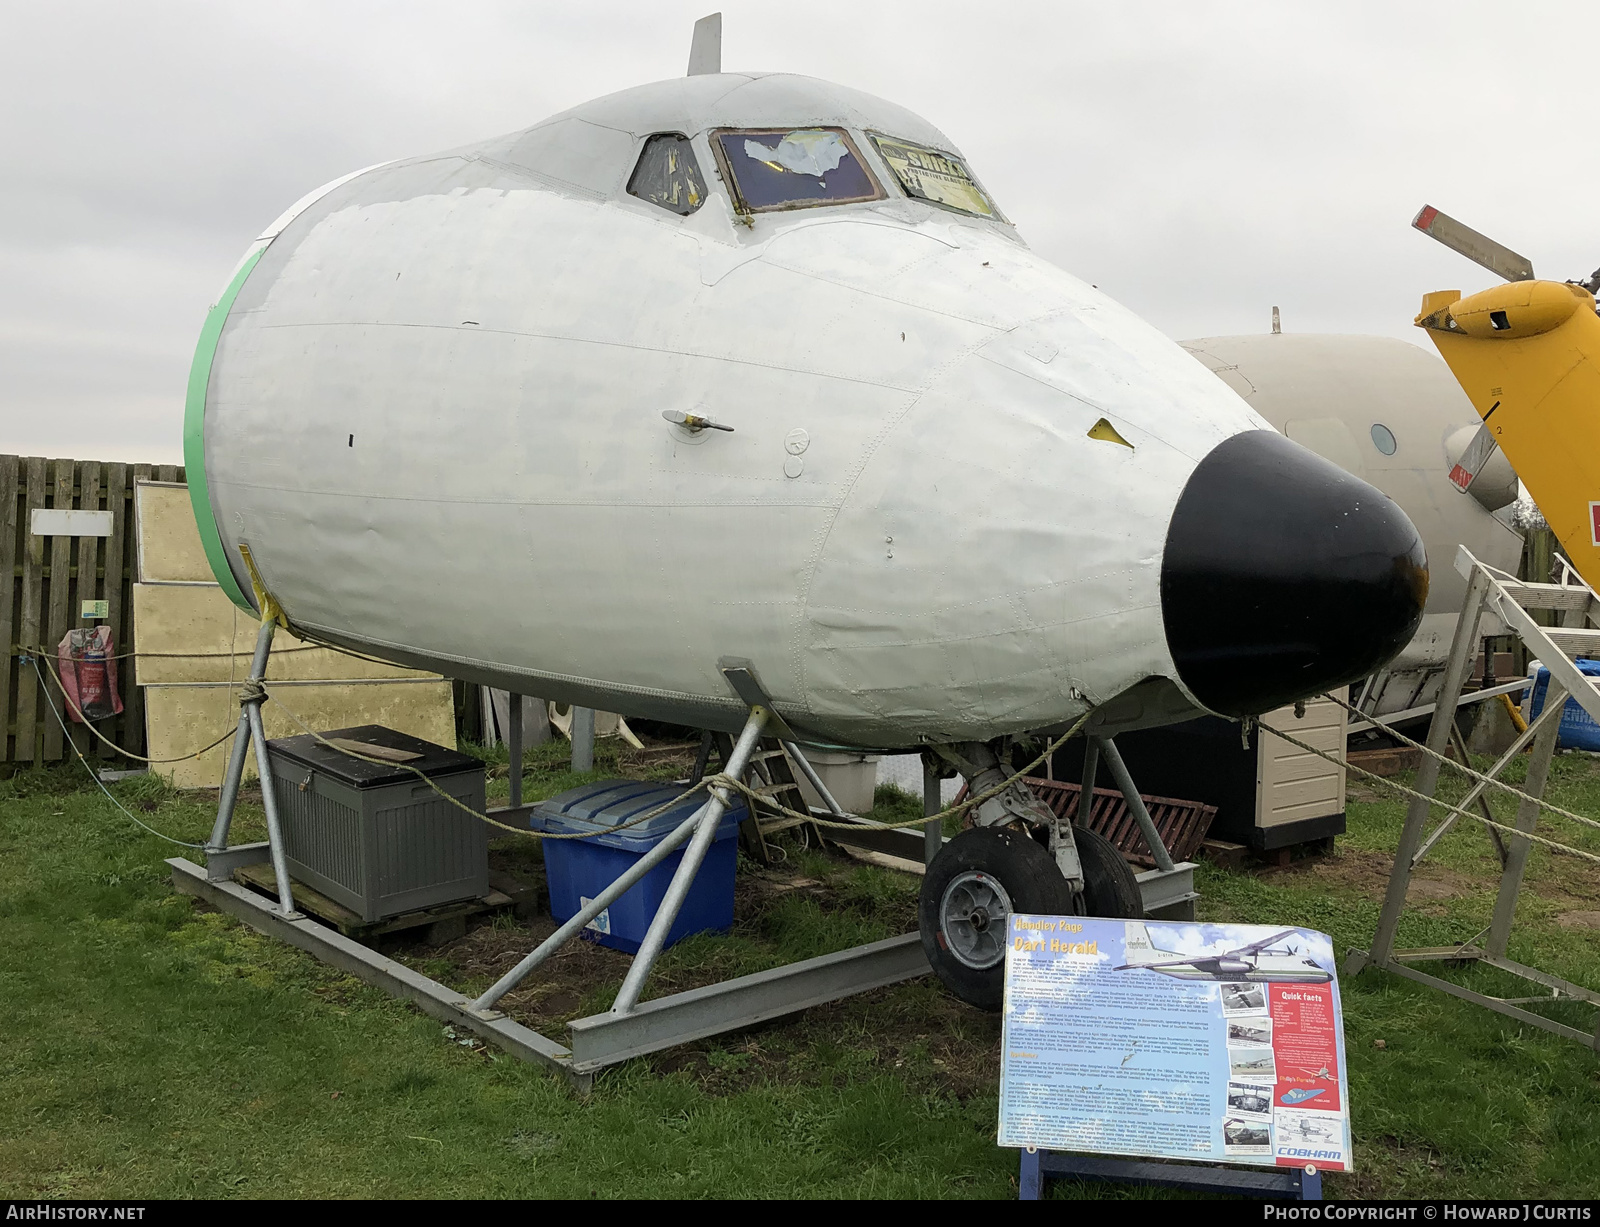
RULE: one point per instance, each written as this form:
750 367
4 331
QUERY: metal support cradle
1489 590
631 1027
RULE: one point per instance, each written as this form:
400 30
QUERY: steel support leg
932 803
583 739
514 745
1427 779
806 769
230 786
593 908
1130 794
241 744
1091 769
1544 748
655 939
269 802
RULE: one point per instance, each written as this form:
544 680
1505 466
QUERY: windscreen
667 174
927 174
795 169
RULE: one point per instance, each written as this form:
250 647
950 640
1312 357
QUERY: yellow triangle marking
1107 433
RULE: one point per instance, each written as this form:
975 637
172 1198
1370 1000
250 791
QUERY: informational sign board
1208 1042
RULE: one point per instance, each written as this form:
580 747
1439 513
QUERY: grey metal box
376 838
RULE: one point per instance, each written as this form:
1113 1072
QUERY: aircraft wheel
1109 887
974 884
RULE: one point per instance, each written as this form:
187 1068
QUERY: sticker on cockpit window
803 153
927 174
793 168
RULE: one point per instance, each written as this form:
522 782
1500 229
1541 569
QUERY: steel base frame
1400 964
630 1028
1271 1183
602 1039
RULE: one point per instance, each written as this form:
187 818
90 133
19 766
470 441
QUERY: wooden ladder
771 773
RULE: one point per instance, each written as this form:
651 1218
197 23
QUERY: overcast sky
1199 161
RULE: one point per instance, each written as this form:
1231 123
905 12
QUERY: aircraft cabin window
1383 439
796 169
927 174
668 175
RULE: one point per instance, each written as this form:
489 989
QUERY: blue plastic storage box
577 870
1578 729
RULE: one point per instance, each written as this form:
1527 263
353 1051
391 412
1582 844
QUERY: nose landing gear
974 884
984 874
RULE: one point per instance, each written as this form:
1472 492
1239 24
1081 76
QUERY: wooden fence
43 582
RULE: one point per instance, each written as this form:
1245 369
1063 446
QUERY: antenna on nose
705 52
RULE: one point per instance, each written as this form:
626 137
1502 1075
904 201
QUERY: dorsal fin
705 52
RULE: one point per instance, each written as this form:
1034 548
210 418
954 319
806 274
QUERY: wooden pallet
443 922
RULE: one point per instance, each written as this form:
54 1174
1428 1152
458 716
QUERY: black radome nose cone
1284 576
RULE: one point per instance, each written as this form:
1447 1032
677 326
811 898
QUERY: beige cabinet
1294 785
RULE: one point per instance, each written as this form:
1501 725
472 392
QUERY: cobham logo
1594 524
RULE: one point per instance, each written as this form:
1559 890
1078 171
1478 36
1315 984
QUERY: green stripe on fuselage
194 436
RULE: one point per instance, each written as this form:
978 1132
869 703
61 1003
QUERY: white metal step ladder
1493 591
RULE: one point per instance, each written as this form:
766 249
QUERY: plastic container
373 836
851 778
1578 729
577 870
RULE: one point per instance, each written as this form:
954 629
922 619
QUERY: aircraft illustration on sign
1258 961
1300 1095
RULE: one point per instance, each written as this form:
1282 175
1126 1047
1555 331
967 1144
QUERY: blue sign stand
1289 1183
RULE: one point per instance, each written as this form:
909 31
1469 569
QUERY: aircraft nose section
1284 576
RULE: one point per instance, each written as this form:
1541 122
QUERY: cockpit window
927 174
794 169
668 174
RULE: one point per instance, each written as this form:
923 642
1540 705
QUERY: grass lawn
154 1048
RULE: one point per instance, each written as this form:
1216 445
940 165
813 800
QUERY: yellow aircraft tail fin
1528 356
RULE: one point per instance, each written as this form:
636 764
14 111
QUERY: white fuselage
435 416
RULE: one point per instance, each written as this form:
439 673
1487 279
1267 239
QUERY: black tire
969 957
1109 887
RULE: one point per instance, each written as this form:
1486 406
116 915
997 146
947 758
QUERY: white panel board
61 522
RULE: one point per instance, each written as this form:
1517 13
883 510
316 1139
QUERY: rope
251 689
1462 767
78 711
24 650
721 779
93 775
1411 792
